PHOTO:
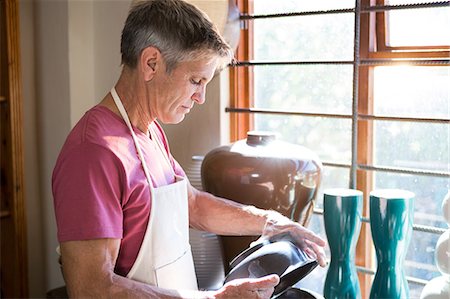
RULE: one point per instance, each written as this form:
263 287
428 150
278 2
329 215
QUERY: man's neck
131 93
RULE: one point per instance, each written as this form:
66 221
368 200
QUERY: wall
81 57
31 151
70 60
53 115
205 127
109 18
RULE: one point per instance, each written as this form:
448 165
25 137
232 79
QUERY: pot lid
260 137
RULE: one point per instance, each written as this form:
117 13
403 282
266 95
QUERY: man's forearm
225 217
121 287
127 288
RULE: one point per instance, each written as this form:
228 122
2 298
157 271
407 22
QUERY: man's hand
258 288
306 240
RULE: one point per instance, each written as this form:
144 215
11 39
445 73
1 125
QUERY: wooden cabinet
13 267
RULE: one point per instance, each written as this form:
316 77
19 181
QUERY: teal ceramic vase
342 219
391 223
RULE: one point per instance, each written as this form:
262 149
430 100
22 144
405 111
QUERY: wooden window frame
364 255
242 95
384 50
373 44
241 79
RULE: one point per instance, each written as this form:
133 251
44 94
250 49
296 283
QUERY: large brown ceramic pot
266 173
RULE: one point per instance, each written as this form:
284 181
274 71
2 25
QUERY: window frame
372 46
241 79
383 50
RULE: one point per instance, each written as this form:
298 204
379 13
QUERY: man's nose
199 96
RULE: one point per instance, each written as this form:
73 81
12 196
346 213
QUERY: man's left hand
306 240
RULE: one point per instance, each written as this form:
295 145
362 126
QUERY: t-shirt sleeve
87 192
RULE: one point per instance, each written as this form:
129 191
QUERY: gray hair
179 30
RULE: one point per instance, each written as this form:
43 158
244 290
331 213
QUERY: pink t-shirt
99 186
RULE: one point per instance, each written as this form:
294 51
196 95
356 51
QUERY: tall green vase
391 222
342 219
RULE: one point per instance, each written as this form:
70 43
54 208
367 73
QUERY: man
122 202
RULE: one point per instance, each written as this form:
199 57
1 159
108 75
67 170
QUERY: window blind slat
363 62
416 227
375 8
330 115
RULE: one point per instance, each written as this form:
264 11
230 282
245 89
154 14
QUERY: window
375 108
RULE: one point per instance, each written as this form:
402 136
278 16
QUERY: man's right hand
248 288
88 268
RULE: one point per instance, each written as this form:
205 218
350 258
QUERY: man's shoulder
100 126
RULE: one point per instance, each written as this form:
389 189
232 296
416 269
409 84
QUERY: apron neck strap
155 139
152 134
124 115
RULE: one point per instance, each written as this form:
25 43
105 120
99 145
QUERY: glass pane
282 6
419 261
323 37
418 27
332 177
330 139
318 88
429 192
412 91
412 145
415 289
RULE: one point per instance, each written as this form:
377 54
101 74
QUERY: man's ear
150 57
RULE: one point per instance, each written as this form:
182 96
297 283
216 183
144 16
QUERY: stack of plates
193 172
208 259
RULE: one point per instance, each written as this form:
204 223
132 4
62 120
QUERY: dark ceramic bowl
281 257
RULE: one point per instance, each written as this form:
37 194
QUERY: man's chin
173 121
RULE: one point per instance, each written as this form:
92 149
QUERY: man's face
174 94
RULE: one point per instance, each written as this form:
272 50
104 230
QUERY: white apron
165 258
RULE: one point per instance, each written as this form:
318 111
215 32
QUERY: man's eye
196 82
